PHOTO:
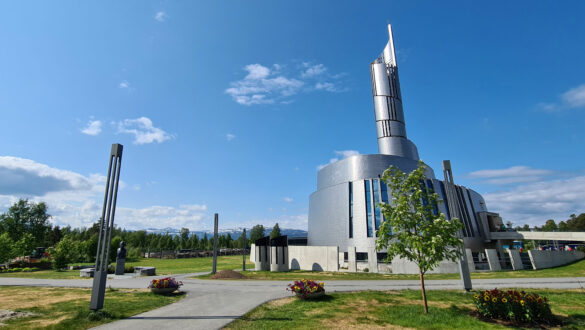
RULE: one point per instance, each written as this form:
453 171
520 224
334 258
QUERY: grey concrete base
120 264
145 271
87 272
515 259
372 260
470 262
351 262
493 260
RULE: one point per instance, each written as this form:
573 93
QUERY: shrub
305 288
512 305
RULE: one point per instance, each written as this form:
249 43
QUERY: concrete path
211 304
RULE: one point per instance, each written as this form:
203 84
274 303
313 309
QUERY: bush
520 307
127 269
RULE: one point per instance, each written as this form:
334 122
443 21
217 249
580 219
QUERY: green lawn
576 269
393 309
68 308
163 267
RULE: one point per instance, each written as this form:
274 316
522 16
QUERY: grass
163 267
68 308
394 309
576 269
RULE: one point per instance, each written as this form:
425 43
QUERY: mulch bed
228 275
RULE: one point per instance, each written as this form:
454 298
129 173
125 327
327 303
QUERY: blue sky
230 107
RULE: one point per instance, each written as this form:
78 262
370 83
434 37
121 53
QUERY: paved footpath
211 304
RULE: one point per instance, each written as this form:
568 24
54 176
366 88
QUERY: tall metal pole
102 258
214 269
455 210
244 250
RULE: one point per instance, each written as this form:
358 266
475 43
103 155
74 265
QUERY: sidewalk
211 304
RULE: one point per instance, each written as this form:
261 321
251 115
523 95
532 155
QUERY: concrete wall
253 252
493 260
403 266
515 259
548 259
321 258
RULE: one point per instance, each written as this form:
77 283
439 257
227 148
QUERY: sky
231 107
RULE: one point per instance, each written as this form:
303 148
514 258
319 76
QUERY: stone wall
548 259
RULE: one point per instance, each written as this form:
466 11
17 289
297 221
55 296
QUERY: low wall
320 258
548 259
403 266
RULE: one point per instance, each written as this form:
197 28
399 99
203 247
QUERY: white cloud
573 98
288 199
230 137
342 154
25 177
284 221
143 130
327 86
74 199
514 174
161 16
313 70
124 84
94 127
536 202
261 85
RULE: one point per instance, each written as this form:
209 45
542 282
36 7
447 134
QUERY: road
211 304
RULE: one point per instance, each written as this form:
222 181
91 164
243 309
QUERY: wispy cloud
340 153
143 130
313 70
534 203
514 174
161 16
571 99
267 85
287 199
94 127
230 137
124 84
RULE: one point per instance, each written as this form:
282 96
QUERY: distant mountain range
234 233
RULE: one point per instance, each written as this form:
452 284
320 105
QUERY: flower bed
519 307
306 289
164 285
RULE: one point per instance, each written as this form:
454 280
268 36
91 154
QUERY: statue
121 259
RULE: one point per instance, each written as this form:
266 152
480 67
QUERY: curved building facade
343 212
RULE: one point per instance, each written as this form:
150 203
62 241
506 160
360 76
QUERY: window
384 193
368 208
377 215
351 210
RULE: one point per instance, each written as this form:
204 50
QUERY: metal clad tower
390 125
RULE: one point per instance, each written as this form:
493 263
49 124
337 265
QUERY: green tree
275 231
549 225
6 248
64 253
184 237
411 229
24 217
25 245
256 233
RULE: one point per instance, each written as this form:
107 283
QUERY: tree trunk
422 288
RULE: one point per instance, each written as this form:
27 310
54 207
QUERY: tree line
574 223
26 226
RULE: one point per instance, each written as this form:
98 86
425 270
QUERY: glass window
384 193
377 215
351 210
368 208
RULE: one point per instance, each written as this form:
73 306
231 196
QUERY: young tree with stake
412 228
